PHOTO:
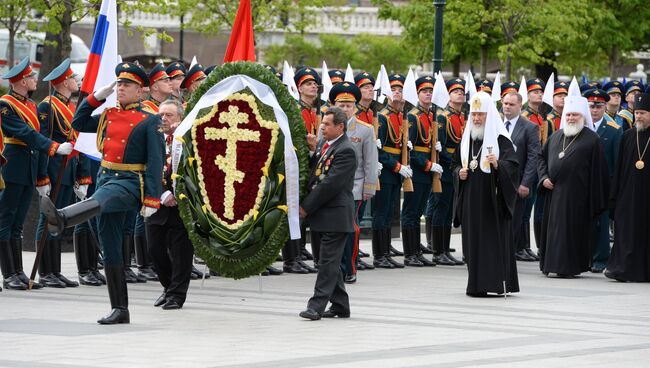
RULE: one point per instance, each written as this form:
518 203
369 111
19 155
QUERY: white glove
405 171
409 145
436 168
44 190
379 168
81 191
148 211
438 146
64 149
379 145
104 92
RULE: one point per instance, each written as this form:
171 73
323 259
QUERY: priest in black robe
630 201
574 179
486 178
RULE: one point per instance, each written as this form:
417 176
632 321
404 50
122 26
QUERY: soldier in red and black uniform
560 91
160 89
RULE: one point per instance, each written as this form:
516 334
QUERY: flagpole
437 35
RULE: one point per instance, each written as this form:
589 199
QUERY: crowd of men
576 167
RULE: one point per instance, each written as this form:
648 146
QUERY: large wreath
231 175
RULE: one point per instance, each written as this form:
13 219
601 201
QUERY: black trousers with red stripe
349 261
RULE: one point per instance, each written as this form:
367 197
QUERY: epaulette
414 111
364 123
613 125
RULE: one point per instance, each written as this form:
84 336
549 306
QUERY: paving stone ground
415 317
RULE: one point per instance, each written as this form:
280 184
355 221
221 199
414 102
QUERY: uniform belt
451 149
393 150
422 149
123 167
9 140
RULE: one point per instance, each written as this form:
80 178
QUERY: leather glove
438 146
436 168
406 171
379 168
81 191
148 211
104 92
379 145
64 149
409 145
44 190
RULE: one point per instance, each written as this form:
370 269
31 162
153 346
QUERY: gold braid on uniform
426 141
394 138
101 128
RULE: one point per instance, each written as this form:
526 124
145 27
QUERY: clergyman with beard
573 174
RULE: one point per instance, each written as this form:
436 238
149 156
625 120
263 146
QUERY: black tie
508 125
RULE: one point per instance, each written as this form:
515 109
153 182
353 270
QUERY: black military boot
81 249
46 275
428 249
143 259
446 233
378 252
408 243
439 254
129 275
415 235
388 250
93 257
290 253
117 292
11 280
72 215
17 251
56 264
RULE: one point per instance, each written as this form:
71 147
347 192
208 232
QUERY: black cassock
579 195
483 206
630 205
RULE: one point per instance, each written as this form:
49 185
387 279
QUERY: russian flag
100 70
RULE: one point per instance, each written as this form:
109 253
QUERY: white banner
225 88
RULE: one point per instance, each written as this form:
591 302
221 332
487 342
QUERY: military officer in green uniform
451 124
132 146
26 151
625 117
615 91
176 72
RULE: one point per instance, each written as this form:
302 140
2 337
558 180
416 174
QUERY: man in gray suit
329 207
525 138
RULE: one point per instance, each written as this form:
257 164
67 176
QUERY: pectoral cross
228 163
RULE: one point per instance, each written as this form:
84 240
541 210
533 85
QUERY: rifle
408 182
433 135
375 125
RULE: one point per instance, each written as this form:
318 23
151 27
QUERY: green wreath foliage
249 249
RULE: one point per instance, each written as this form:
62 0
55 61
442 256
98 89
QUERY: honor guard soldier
509 87
615 91
391 145
176 72
610 134
336 76
131 143
55 115
560 91
625 117
421 120
366 108
451 125
485 86
195 76
209 70
160 88
362 137
26 151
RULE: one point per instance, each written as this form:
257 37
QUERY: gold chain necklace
561 154
640 164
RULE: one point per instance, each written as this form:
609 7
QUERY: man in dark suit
329 207
524 136
169 246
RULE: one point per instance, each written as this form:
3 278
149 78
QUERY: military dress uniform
176 71
610 134
451 125
625 116
554 117
55 115
132 146
421 121
613 88
195 74
26 152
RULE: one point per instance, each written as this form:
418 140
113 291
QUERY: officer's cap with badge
613 87
336 76
195 73
454 84
345 92
484 85
535 84
509 87
423 83
596 96
209 69
272 70
158 73
306 74
176 69
364 78
133 73
642 101
560 88
60 74
589 85
20 71
633 85
396 80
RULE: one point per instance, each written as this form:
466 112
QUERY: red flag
241 46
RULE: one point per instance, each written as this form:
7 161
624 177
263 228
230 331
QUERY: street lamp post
437 35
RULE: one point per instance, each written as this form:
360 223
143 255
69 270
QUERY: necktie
325 147
168 140
508 125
